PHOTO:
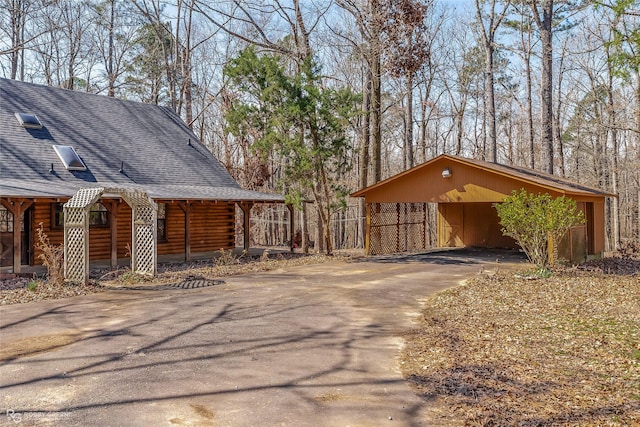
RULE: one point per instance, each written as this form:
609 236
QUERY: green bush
535 220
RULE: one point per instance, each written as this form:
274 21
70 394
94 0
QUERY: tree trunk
186 73
637 140
546 86
111 91
613 143
376 97
364 150
556 122
531 133
423 129
491 103
408 133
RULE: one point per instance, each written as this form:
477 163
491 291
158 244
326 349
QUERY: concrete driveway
311 346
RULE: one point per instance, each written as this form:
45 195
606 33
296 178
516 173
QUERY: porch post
246 223
113 207
292 226
186 208
17 208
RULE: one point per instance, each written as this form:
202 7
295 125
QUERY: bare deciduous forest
316 99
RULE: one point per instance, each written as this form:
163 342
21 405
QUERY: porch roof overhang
14 188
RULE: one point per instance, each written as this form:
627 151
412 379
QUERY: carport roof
524 175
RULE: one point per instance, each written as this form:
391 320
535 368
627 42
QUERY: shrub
536 220
226 258
52 257
32 285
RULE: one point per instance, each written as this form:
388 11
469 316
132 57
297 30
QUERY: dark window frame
6 220
161 223
99 216
57 216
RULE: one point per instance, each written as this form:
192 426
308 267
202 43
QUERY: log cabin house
58 144
464 191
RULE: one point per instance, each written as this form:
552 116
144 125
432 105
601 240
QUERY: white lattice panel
144 216
85 197
76 232
74 252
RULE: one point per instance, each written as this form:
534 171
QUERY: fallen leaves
502 350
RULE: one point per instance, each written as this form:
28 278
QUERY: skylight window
69 158
28 121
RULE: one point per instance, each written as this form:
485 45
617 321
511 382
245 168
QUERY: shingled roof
124 144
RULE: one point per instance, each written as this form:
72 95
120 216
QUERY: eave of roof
44 189
540 179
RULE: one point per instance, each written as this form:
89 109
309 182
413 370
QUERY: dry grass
503 351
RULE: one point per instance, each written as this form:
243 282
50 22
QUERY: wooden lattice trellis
397 227
76 232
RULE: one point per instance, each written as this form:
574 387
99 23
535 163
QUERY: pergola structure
76 232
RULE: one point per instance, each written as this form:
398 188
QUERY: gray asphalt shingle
159 152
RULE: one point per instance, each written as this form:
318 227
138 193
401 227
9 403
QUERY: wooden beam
186 208
367 231
397 227
17 207
113 207
292 226
246 223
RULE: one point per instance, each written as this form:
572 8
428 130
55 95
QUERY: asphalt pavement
313 345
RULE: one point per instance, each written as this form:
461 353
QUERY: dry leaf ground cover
504 350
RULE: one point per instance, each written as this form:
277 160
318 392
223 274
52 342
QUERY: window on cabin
98 216
57 215
162 222
6 220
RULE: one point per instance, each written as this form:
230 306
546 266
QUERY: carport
464 191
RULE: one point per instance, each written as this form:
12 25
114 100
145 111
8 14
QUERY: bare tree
405 50
488 35
545 25
367 15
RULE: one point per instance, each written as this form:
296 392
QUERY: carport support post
367 231
397 227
